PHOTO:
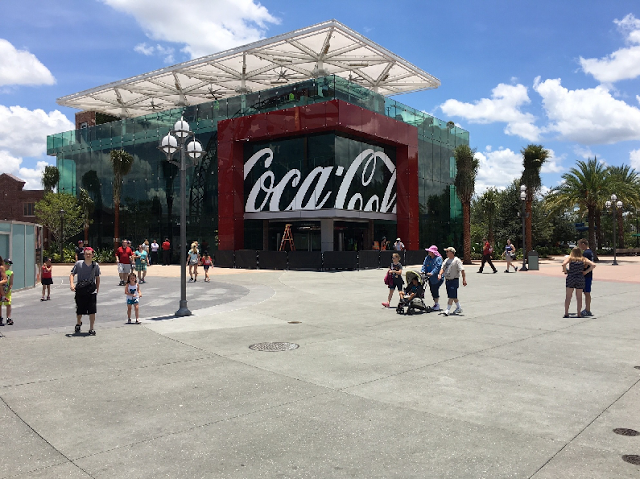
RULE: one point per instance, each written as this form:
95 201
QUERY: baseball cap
8 261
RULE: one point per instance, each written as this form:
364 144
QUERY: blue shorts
452 288
587 284
131 301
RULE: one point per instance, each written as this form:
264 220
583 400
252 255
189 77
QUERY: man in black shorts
86 301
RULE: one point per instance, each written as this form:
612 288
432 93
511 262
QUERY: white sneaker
436 307
446 312
458 311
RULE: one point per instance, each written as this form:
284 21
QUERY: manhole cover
295 322
626 432
631 459
274 347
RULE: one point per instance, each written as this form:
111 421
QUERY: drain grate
274 347
626 432
631 459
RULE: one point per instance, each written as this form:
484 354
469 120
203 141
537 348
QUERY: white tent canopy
328 48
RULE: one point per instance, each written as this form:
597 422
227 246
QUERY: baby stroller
416 305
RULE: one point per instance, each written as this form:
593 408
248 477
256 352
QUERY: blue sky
564 74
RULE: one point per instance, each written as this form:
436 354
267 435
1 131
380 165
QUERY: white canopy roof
328 48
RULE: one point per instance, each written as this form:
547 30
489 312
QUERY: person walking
509 254
451 270
145 246
576 267
583 244
123 258
193 258
80 251
46 278
6 292
430 268
166 252
141 258
396 273
154 253
207 262
133 295
398 245
487 251
86 289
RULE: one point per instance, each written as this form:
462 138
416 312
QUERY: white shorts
124 268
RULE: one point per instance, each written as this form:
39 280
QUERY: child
193 259
396 272
413 290
132 290
6 292
207 262
47 278
141 257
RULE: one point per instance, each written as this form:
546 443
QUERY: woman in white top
193 258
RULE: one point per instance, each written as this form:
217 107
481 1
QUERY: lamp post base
523 268
615 263
184 310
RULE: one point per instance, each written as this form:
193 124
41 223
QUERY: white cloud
634 159
204 26
591 116
552 165
19 67
503 106
623 64
23 134
497 168
584 152
148 50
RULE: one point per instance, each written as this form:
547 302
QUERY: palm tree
533 157
121 162
488 204
625 183
86 206
50 178
465 182
586 187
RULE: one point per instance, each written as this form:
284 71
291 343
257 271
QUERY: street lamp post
176 140
523 199
61 234
613 206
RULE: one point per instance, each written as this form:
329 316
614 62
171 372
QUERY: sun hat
398 239
433 249
451 248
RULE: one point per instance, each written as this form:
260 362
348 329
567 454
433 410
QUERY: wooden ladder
287 237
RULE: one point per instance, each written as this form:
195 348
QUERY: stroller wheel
428 309
410 311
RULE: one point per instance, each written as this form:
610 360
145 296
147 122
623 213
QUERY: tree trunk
527 223
620 228
86 234
599 232
591 215
466 231
116 224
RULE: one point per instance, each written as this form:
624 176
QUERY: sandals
92 332
9 321
78 327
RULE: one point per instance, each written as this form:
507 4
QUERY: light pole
61 234
176 140
614 215
523 199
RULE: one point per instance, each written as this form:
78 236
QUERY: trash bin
533 260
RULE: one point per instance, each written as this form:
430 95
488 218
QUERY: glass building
321 144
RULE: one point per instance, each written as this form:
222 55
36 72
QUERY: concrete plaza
508 388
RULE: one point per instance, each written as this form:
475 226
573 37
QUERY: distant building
15 203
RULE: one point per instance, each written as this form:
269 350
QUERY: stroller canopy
412 274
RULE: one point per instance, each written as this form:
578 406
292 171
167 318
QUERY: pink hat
433 249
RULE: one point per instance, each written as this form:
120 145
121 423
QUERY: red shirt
166 246
487 248
46 271
124 255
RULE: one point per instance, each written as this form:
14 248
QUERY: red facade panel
335 115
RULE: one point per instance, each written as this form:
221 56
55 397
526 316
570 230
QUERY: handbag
88 286
388 279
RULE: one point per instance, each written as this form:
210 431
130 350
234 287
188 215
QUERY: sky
563 74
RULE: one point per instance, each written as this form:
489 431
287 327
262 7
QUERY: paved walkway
506 389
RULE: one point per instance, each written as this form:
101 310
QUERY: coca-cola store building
298 130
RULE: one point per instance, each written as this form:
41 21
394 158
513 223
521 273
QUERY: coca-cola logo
311 191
